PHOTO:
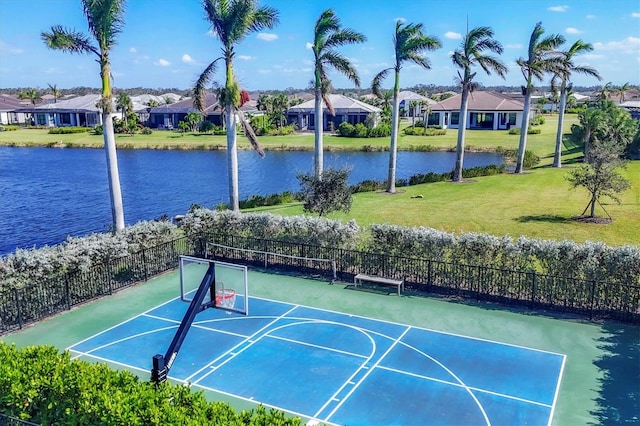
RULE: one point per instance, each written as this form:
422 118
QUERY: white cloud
267 36
263 71
133 50
558 8
572 30
187 59
452 35
9 50
162 63
309 45
629 45
245 57
590 16
635 14
514 46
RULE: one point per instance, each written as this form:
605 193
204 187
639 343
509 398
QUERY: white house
346 109
413 104
80 111
486 110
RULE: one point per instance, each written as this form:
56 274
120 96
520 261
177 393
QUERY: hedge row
40 385
587 261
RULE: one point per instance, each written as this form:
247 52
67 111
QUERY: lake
47 194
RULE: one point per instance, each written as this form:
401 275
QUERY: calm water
47 194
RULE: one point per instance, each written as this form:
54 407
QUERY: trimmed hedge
68 130
40 385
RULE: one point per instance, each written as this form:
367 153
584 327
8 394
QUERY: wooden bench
360 278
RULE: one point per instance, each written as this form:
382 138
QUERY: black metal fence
12 421
26 305
594 299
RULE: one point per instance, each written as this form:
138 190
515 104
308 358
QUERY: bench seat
360 278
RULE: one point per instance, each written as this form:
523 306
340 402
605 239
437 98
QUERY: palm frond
343 37
328 104
490 63
376 84
250 133
105 19
67 40
199 88
342 65
327 22
264 17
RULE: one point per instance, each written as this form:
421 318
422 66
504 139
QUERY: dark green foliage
207 127
346 129
530 131
68 130
420 131
40 385
98 130
537 121
466 174
268 200
146 131
8 128
328 194
530 159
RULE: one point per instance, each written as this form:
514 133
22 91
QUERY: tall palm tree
231 22
31 94
605 93
543 57
124 104
563 75
471 53
409 43
622 90
328 34
54 91
105 18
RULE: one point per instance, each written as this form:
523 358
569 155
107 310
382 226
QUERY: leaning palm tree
328 34
563 75
542 58
410 43
105 18
471 53
231 22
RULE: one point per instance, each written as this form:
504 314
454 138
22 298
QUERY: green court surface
600 382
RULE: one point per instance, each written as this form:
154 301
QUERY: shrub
380 131
207 127
40 385
8 128
146 131
530 131
269 200
98 130
431 131
284 130
68 130
346 129
537 120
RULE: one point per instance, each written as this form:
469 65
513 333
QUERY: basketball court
332 367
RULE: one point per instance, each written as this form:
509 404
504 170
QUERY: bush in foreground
40 385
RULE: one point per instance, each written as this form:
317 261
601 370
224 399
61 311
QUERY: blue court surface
341 369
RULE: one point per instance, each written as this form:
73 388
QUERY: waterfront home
346 109
168 116
413 104
8 107
79 111
486 110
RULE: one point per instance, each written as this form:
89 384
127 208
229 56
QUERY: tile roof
481 101
339 102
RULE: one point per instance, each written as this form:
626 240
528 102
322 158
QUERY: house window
41 119
65 118
512 118
434 119
455 118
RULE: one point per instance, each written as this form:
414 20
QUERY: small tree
193 118
327 194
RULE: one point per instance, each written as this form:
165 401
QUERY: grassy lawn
539 203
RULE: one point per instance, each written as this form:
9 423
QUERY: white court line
108 360
412 326
123 322
230 351
299 342
458 385
134 336
555 397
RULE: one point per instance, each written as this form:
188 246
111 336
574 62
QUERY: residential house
79 111
346 109
413 104
8 110
168 116
486 110
633 107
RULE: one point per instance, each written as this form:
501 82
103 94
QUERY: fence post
593 298
144 263
67 293
534 286
18 307
429 274
109 275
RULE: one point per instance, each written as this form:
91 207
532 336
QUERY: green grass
539 203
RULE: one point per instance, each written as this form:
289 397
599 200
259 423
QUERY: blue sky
166 43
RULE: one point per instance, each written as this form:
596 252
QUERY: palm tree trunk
393 150
117 210
523 131
318 148
462 129
557 158
232 158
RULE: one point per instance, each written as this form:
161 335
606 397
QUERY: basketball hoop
225 298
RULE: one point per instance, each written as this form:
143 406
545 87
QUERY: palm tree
105 18
124 104
55 92
471 53
542 58
605 93
622 90
31 94
563 75
263 104
232 21
410 43
328 34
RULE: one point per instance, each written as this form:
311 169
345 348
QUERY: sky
168 43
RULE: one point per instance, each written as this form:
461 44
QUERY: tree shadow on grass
619 394
550 218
